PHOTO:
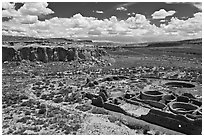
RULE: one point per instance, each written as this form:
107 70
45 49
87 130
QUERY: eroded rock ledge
49 53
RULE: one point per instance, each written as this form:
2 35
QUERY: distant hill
175 43
59 40
18 38
7 38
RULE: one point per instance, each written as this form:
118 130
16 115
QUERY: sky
127 22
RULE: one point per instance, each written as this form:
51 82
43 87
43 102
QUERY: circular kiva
169 98
180 84
151 95
182 108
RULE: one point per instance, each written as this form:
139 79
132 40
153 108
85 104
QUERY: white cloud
26 19
121 9
29 8
27 14
94 32
79 26
162 14
35 8
10 13
162 21
189 28
136 28
129 14
99 11
8 5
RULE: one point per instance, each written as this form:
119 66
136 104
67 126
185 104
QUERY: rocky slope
35 52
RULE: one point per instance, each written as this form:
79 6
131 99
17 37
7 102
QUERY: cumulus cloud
94 32
78 26
35 8
136 28
121 9
8 5
190 27
162 21
26 19
9 9
99 12
162 14
10 13
28 13
131 14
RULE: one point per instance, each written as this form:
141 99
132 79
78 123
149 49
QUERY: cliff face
49 54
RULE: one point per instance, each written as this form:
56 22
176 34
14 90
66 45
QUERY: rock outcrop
8 53
49 54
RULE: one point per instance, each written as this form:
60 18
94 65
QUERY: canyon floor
47 98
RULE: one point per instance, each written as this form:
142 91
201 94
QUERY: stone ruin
181 113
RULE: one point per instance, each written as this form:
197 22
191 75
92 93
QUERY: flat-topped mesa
36 52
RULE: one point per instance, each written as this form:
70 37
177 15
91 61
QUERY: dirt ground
36 98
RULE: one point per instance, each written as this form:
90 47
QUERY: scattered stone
43 96
38 94
39 122
60 84
23 119
26 103
21 97
27 112
95 83
83 107
58 99
42 111
47 96
146 129
41 106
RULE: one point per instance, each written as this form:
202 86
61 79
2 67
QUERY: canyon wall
49 54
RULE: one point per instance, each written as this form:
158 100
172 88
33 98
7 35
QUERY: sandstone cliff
49 53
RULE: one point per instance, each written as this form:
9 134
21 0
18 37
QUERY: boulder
71 54
81 54
58 99
42 54
98 101
42 111
8 54
103 95
25 53
33 54
50 54
61 53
